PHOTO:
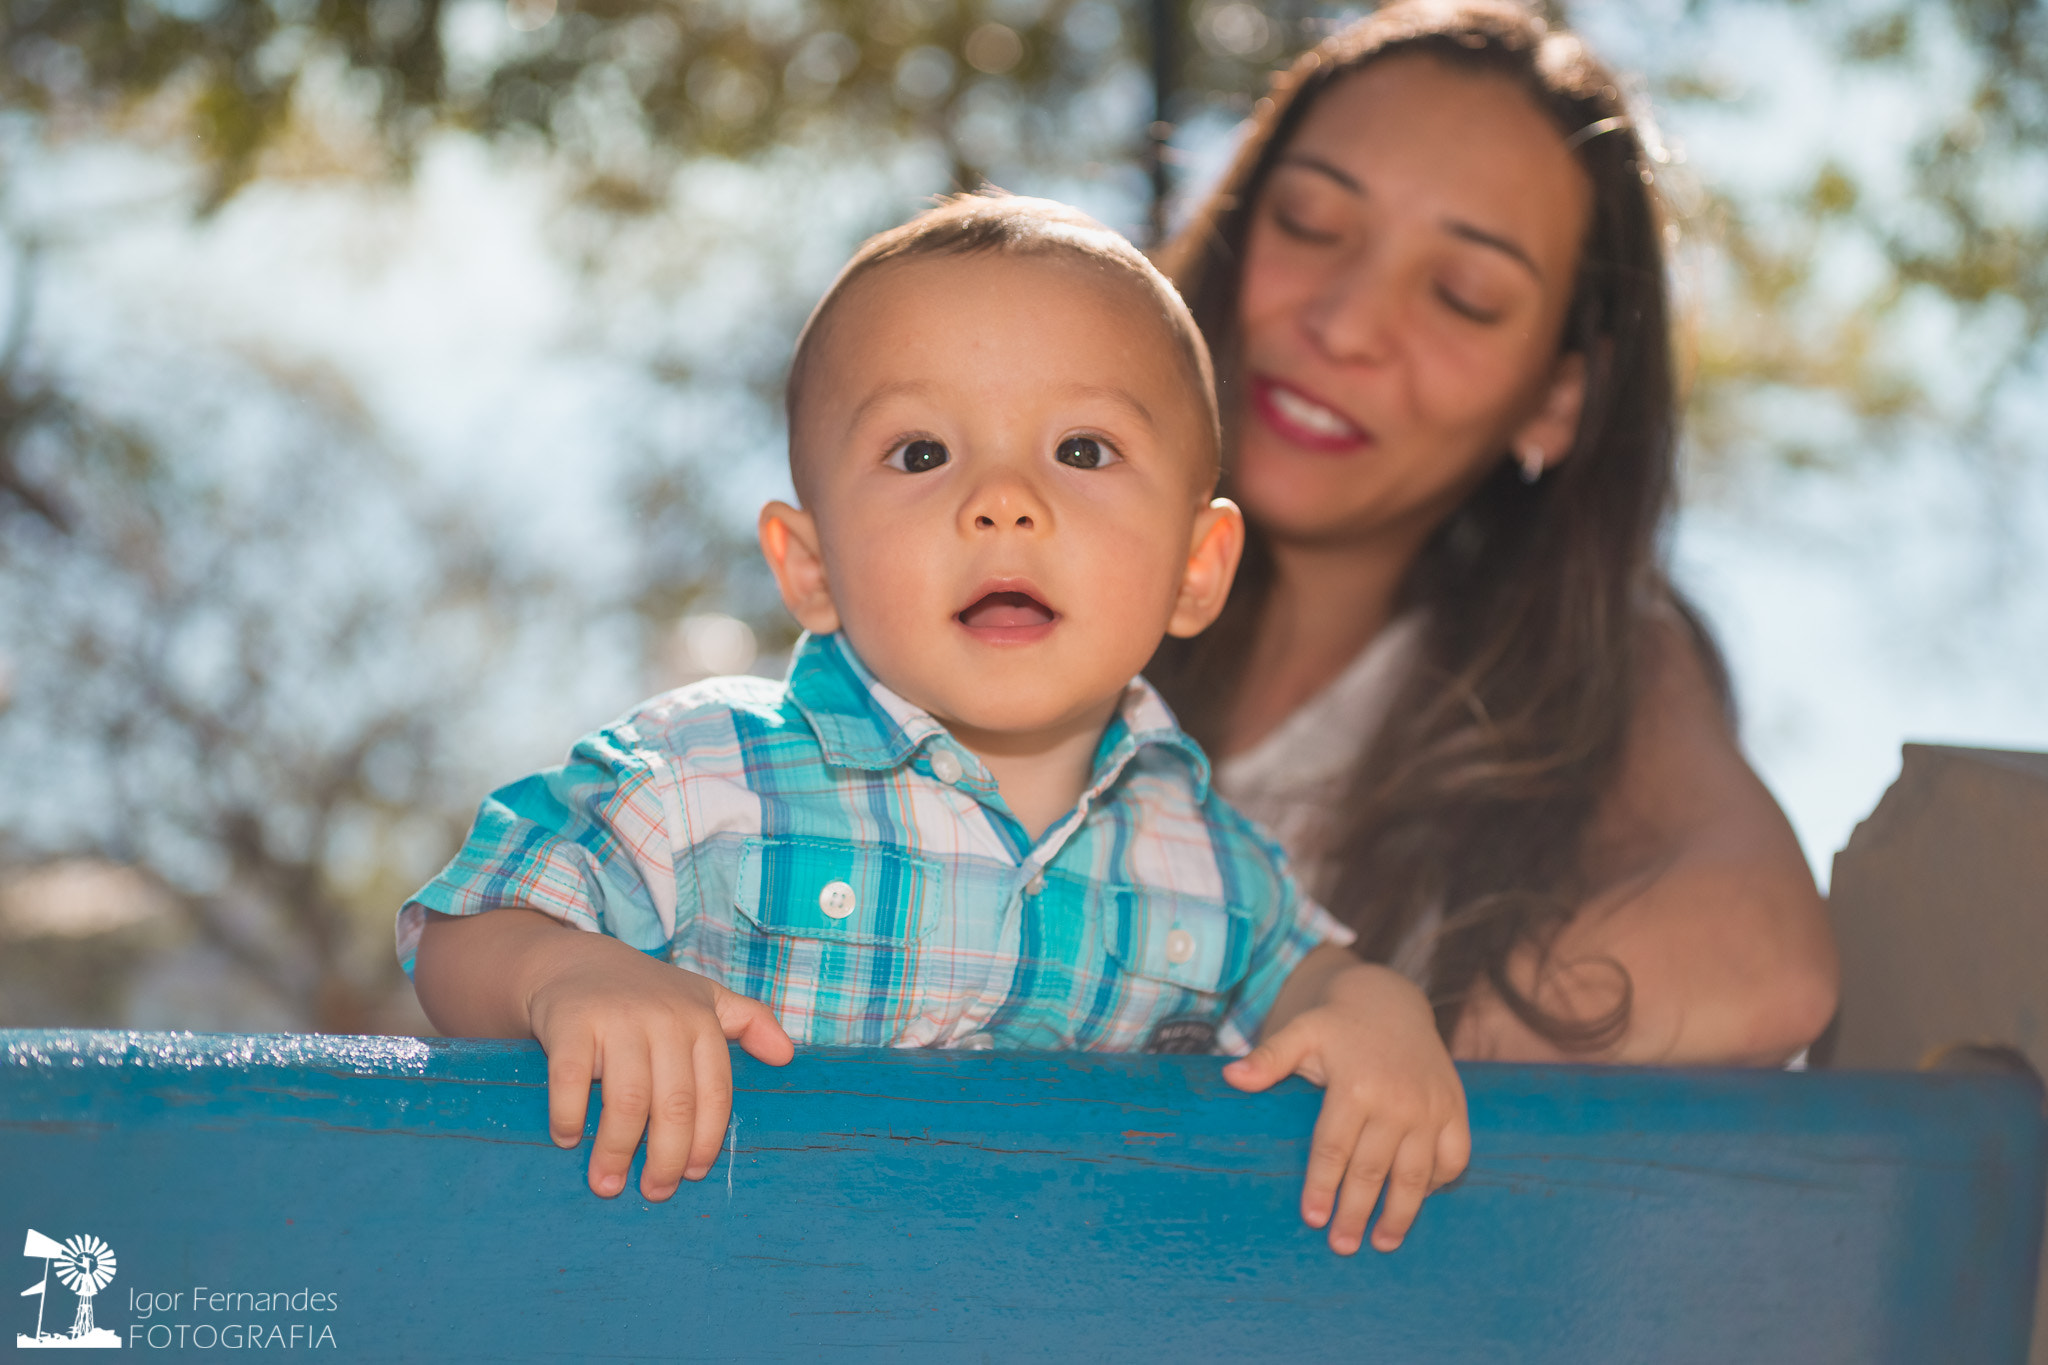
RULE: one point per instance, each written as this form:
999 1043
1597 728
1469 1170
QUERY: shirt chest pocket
1190 942
837 892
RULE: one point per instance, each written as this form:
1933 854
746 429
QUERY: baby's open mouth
1006 611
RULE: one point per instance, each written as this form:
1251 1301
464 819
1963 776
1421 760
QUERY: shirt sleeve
1290 926
585 843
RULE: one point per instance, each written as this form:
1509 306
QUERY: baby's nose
1007 500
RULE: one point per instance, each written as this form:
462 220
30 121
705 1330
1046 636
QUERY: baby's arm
654 1035
1393 1107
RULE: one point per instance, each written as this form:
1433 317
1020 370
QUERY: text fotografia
236 1334
233 1336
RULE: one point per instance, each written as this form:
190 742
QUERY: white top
1294 781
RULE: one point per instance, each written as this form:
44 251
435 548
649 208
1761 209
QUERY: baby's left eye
1085 452
918 455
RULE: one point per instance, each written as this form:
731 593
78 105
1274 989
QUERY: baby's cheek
884 582
885 637
1138 582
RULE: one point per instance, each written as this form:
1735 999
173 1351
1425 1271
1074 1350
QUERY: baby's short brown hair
970 224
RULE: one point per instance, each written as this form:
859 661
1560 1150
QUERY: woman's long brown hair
1477 793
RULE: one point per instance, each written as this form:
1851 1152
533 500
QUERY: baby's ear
789 540
1217 543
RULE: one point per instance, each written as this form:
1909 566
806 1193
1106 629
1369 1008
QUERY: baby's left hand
1393 1107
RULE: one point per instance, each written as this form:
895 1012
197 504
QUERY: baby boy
963 821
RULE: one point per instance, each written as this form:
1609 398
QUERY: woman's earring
1530 457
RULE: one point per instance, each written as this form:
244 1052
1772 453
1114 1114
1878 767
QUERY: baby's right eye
915 457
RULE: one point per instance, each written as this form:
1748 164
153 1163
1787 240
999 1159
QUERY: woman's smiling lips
1007 611
1303 420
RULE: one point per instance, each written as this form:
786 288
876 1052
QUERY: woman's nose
1351 317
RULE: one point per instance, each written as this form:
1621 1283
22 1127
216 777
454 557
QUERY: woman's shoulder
1681 676
1682 771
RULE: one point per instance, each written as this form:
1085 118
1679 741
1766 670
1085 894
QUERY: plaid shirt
826 847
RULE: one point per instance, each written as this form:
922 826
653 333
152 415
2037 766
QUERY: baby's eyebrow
915 388
900 388
1123 398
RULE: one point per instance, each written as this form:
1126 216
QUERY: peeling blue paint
1032 1207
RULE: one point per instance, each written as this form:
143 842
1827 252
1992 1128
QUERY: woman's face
1405 283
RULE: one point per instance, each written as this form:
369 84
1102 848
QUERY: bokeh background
386 390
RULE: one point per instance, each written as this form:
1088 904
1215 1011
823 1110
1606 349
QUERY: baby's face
1009 474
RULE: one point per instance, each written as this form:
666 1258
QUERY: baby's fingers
1330 1153
754 1027
1371 1159
1407 1184
628 1096
1274 1060
1453 1151
671 1121
569 1074
714 1104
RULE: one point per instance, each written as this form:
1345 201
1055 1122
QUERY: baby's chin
1019 716
1015 696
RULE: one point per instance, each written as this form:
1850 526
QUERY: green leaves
1830 287
674 78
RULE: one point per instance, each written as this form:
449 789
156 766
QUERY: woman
1454 677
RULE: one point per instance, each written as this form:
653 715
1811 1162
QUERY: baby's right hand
655 1037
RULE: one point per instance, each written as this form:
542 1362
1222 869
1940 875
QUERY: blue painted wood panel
1025 1207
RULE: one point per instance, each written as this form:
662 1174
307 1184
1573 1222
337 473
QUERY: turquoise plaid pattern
826 847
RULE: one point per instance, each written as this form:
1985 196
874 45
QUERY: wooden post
1940 904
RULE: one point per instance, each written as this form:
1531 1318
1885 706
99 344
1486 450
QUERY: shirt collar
861 723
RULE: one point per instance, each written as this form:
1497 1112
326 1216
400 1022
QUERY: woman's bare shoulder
1682 772
1688 816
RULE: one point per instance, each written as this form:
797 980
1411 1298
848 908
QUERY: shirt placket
1029 880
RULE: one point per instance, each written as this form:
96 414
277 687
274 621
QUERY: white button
1180 946
945 767
1035 885
836 900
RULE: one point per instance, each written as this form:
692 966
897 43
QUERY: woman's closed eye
1086 452
1306 207
1466 307
918 455
1304 228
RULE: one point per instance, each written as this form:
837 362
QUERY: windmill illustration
85 1265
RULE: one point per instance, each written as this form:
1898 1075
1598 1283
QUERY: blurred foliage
623 87
1828 292
260 661
218 688
225 696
